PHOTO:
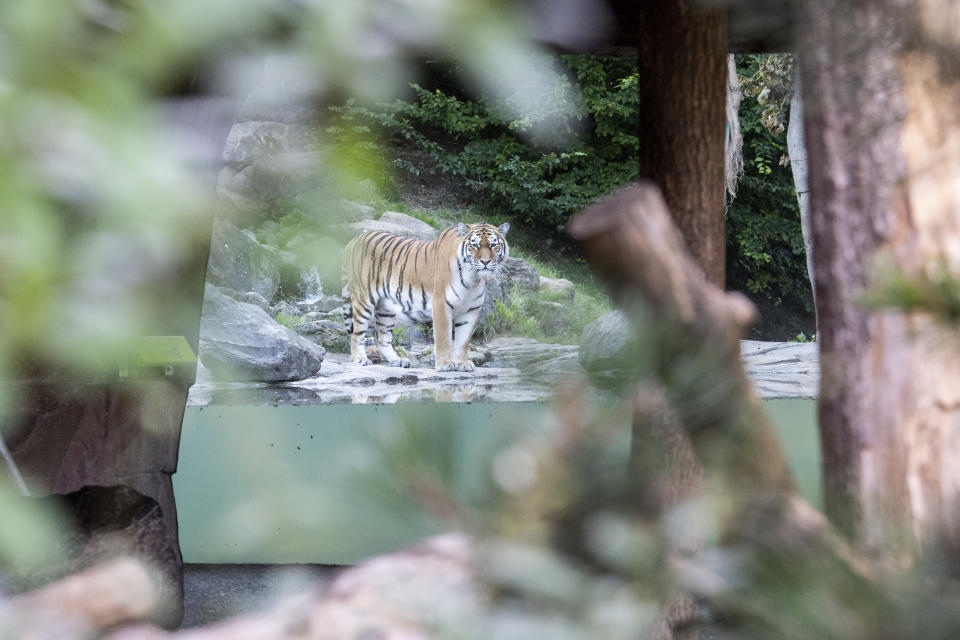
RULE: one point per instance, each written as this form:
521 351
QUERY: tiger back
442 281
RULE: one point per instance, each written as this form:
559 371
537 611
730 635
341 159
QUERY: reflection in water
420 385
536 377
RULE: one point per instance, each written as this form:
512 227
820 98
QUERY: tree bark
876 115
683 75
637 252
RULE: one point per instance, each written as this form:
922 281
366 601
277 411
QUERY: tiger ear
462 229
504 228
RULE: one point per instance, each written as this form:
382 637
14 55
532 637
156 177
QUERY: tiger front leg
462 332
442 328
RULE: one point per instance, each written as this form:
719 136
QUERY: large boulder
604 342
398 223
239 262
272 181
521 276
240 342
557 289
248 142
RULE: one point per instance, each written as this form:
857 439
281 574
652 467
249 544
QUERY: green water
306 483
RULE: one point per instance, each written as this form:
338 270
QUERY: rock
409 332
521 276
103 523
556 289
354 211
332 335
290 311
240 342
271 181
68 437
326 305
554 317
250 141
250 297
237 261
398 223
603 344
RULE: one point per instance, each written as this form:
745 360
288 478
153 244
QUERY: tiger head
484 246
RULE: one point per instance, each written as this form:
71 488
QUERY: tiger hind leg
361 318
385 319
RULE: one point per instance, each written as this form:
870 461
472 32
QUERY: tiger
443 281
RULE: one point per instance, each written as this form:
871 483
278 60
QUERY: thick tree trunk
683 76
889 405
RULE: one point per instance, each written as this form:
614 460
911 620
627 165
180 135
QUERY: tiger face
484 246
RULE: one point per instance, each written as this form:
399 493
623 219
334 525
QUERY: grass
290 322
545 319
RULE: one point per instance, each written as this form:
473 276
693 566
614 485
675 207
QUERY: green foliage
537 162
290 322
935 291
399 338
766 255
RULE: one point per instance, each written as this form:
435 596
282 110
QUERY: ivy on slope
575 142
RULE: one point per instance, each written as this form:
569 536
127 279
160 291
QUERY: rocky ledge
340 381
516 370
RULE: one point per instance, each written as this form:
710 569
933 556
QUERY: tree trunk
797 150
683 76
880 181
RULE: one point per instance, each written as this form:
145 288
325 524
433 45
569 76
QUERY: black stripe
386 315
460 271
403 268
473 308
387 255
391 252
448 302
459 324
423 294
410 293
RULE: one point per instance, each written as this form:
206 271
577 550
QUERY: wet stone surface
516 370
340 381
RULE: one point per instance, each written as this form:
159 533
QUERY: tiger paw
363 361
446 365
465 365
400 362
